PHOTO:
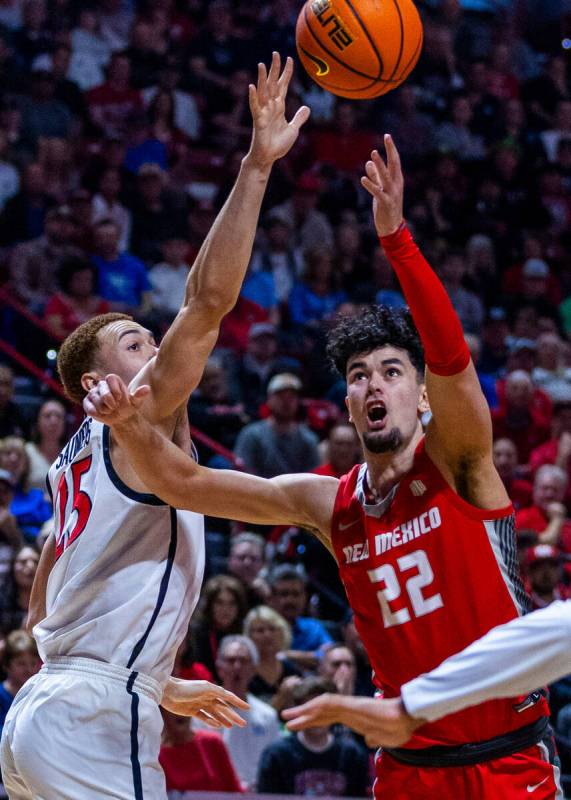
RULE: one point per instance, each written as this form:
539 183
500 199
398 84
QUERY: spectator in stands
316 761
186 115
76 302
544 575
29 506
212 408
168 278
23 215
246 562
552 374
122 278
495 331
253 370
561 131
457 136
468 305
42 113
535 291
48 438
195 760
347 142
556 450
343 451
280 443
412 129
363 672
236 663
34 265
10 535
12 422
156 212
487 382
16 589
506 462
288 585
272 636
518 418
112 103
106 204
33 38
9 176
90 51
317 296
20 661
275 259
309 226
547 516
220 613
338 666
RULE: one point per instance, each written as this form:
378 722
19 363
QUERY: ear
423 404
89 380
348 409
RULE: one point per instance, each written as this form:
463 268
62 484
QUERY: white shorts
82 729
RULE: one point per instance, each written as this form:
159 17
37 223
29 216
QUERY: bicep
461 424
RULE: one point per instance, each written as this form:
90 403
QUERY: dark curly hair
376 326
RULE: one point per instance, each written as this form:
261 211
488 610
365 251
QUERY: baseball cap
286 380
6 477
535 268
542 552
261 329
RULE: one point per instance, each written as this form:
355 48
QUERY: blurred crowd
122 127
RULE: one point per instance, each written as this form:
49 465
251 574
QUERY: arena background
122 127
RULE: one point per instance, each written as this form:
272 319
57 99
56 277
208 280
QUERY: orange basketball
359 48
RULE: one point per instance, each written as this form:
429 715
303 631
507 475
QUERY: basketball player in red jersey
423 531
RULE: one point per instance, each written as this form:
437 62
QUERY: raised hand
385 183
205 701
273 136
110 401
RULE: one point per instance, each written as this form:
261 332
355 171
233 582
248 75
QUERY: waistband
466 755
135 681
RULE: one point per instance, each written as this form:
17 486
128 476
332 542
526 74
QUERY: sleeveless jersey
426 574
128 567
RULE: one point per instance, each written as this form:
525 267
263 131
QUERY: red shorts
527 774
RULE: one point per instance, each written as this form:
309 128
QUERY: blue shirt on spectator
31 510
260 288
123 280
6 700
306 306
308 634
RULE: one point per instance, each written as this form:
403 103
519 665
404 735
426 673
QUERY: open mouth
376 414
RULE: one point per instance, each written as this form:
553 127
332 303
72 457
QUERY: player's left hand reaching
111 402
273 136
385 183
205 701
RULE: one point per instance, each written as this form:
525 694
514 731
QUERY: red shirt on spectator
327 470
533 519
525 439
68 318
520 493
110 108
236 325
201 764
546 453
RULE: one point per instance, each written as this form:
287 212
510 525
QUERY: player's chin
383 441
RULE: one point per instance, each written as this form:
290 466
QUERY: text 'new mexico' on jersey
426 574
128 567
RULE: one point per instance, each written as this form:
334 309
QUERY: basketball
359 48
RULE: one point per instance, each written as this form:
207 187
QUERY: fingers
301 722
253 100
373 188
300 118
381 167
262 84
273 75
232 699
393 157
209 720
285 77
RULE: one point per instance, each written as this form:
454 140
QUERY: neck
282 425
316 739
385 470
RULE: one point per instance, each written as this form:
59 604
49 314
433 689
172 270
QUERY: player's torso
426 574
128 567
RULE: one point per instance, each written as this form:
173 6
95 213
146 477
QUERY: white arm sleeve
510 660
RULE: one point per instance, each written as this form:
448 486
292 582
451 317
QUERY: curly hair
377 326
78 352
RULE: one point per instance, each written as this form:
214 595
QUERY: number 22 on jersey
80 504
392 589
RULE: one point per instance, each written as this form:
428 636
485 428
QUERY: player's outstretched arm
216 277
512 659
205 701
304 500
461 428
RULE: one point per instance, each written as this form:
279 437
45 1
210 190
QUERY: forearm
513 659
37 607
437 323
220 267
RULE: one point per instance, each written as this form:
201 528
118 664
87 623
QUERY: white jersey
128 567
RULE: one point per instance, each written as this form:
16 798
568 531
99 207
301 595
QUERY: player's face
384 398
235 667
125 348
25 566
224 610
22 667
246 560
289 599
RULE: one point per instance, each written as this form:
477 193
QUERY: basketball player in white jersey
125 569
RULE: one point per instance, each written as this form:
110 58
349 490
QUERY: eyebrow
385 362
134 330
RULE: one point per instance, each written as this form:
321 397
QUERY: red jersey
426 574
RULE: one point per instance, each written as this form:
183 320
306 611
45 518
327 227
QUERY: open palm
273 135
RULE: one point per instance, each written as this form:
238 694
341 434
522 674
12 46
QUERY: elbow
214 299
